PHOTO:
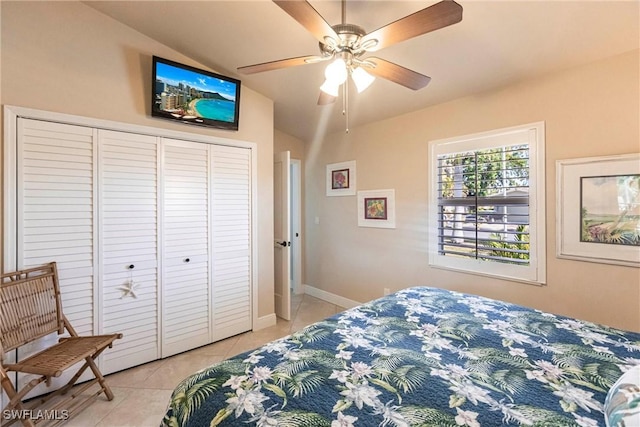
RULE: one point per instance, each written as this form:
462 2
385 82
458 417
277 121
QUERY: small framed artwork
598 209
376 208
341 179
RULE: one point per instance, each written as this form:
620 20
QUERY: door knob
283 244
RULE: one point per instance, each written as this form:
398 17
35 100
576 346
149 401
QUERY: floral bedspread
419 357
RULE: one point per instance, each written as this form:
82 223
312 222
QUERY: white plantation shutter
129 230
231 228
56 210
487 210
483 201
186 292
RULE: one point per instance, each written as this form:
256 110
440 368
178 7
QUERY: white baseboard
329 297
270 319
264 322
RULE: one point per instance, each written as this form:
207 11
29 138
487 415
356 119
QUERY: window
487 209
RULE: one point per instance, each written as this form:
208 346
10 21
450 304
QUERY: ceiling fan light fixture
362 79
336 72
330 88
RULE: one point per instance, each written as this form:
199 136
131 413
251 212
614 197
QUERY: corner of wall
263 322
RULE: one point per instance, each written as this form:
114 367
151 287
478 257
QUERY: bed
422 356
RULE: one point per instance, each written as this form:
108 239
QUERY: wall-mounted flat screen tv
190 95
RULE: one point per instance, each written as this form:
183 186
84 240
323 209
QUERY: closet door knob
131 267
187 260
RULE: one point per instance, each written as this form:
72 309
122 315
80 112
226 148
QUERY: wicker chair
31 308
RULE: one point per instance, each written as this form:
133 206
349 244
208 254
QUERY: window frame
535 272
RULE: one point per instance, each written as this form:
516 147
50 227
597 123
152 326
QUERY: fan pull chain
345 105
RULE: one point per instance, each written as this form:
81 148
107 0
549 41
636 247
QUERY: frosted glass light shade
336 72
362 79
330 88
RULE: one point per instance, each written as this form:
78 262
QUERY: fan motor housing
349 36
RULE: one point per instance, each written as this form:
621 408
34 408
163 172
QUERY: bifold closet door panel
55 217
231 240
57 202
128 165
186 294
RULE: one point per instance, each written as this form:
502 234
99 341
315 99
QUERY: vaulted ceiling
497 43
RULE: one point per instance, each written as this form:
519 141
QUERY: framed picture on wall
598 209
341 179
376 208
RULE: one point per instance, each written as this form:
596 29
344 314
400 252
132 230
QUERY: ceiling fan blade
282 63
308 17
325 98
432 18
397 74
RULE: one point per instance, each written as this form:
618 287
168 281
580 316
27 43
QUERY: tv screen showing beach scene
195 96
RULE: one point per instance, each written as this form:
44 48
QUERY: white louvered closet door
121 213
57 218
128 166
55 214
186 295
231 233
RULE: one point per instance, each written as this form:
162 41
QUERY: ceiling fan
346 44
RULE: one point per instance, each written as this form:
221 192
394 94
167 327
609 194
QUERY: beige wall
589 111
285 142
68 58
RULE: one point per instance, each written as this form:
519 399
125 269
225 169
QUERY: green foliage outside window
484 173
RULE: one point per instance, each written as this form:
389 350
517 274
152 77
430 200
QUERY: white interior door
281 233
296 226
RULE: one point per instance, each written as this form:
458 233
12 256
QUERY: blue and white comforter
419 357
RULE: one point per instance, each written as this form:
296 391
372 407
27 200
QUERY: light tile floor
142 393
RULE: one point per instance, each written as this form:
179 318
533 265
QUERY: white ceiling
496 44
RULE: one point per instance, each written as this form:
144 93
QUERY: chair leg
99 376
89 363
15 402
69 385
